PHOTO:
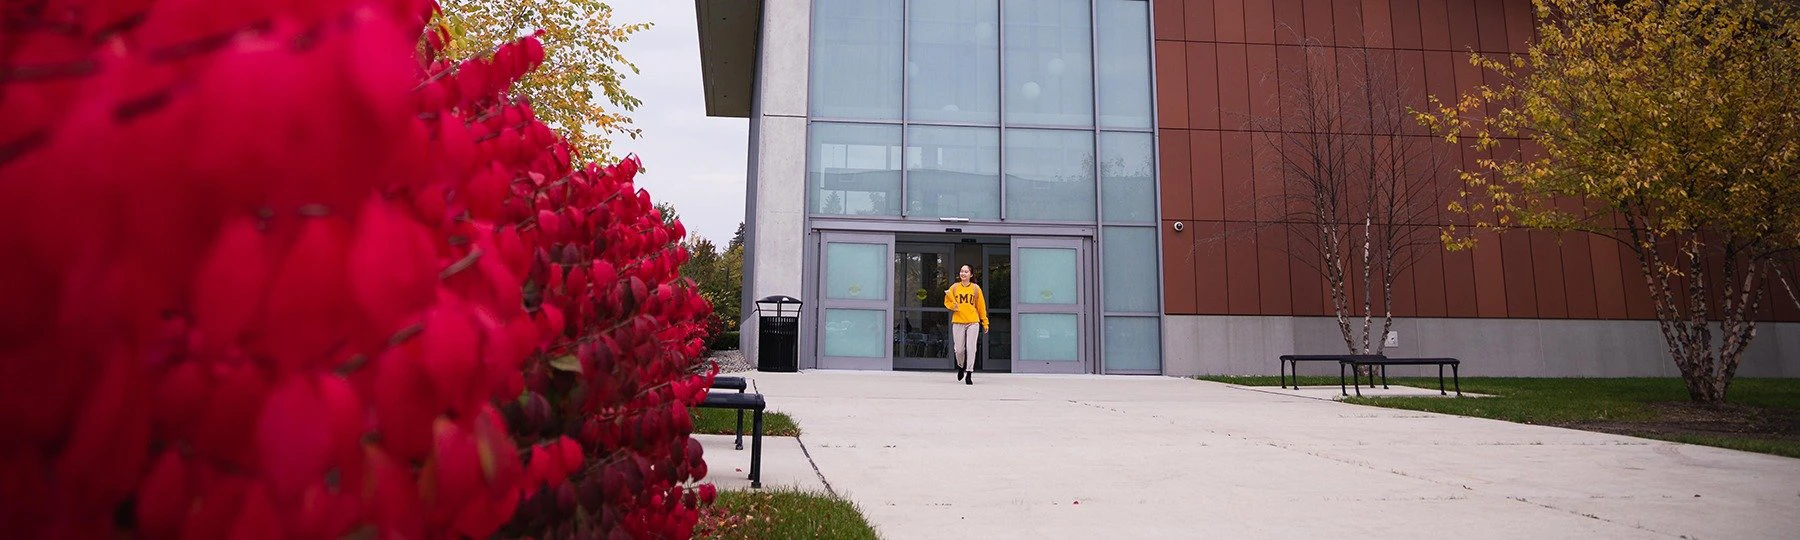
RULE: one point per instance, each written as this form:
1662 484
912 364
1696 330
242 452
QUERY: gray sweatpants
964 337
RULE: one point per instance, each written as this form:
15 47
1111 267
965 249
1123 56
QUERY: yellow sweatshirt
966 304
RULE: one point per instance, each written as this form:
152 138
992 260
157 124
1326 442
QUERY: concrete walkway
1023 456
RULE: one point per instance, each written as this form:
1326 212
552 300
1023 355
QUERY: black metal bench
741 402
1381 363
739 384
1290 363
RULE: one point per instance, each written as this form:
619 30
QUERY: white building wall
778 184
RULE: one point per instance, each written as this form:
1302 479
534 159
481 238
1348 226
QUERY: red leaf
257 520
295 434
405 404
230 289
392 265
451 345
165 496
307 315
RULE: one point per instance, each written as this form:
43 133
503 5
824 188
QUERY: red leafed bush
268 271
616 371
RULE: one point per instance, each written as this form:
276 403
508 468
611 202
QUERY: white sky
695 162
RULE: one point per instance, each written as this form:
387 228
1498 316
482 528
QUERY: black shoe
959 373
970 379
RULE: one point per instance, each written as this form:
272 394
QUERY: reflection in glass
1049 81
1047 276
953 172
1049 175
855 271
1124 59
1133 344
854 332
1127 184
921 324
856 59
953 61
998 287
854 169
1130 268
1048 337
999 340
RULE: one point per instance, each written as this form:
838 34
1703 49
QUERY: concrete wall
1234 345
778 182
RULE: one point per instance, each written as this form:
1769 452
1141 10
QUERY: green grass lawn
1653 408
780 513
723 421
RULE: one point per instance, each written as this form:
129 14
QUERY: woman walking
967 307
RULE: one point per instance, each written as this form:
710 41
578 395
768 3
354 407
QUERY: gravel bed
730 361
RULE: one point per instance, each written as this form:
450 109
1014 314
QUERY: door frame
885 304
1081 308
947 251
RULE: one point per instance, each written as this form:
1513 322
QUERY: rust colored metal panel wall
1519 28
1490 16
1210 278
1347 24
1169 22
1203 85
1609 278
1434 25
1378 27
1259 21
1208 176
1239 185
1428 281
1178 270
1274 266
1405 17
1578 274
1228 21
1290 22
1177 174
1547 270
1243 286
1465 29
1200 21
1172 84
1234 86
1221 68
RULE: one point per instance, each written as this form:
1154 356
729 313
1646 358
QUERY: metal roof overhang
728 51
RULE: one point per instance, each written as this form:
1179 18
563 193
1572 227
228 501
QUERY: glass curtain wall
998 111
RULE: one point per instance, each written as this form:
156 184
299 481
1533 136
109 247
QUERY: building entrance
924 266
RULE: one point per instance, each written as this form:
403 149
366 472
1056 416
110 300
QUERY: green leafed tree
580 88
1671 126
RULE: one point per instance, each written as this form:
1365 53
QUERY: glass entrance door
1049 323
921 324
853 301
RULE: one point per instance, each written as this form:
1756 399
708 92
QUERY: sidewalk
1027 456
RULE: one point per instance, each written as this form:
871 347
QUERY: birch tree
1676 123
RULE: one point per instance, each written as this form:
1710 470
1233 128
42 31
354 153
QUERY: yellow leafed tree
1671 126
582 62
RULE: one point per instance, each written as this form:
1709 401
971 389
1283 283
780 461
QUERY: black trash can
778 334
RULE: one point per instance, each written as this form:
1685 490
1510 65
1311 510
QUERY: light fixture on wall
1030 90
1179 226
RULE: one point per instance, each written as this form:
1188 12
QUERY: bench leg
1383 378
739 442
756 451
1456 372
1353 373
1341 388
1281 369
1441 381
